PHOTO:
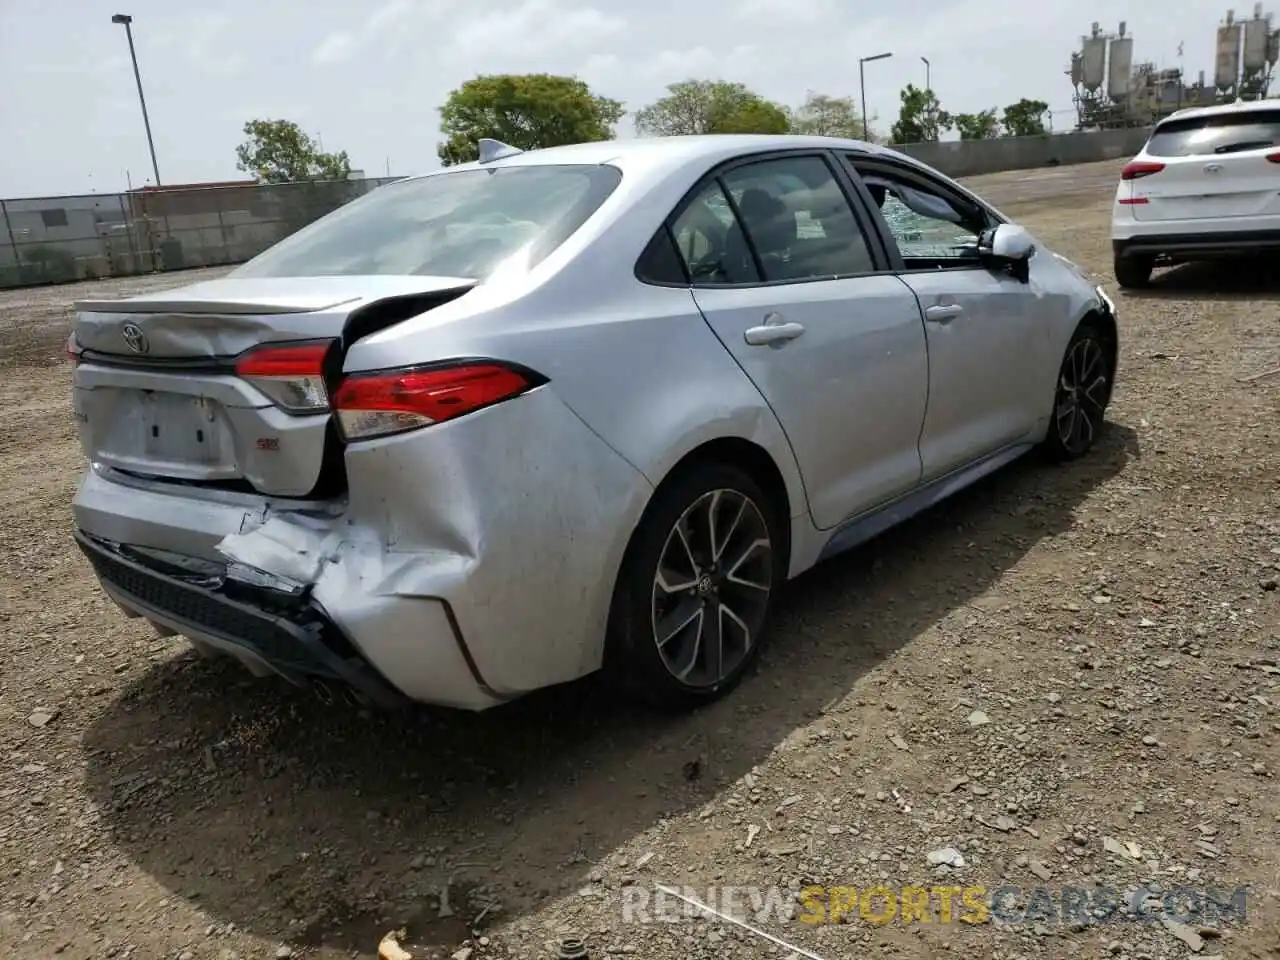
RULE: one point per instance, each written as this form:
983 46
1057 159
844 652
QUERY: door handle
773 330
943 312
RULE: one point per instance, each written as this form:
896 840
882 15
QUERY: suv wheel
1133 272
696 590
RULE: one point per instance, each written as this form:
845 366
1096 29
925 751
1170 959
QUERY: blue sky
368 75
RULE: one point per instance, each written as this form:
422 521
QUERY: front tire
1133 272
696 589
1085 381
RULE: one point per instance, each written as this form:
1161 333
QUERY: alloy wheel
712 586
1082 395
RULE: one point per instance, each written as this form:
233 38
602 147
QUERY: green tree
824 116
529 111
1026 118
978 126
710 106
277 151
921 118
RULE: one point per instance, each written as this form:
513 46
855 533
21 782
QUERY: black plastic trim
1197 245
319 648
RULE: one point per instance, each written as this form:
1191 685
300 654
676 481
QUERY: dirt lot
1070 676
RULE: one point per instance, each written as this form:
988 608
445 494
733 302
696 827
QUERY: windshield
1216 134
463 224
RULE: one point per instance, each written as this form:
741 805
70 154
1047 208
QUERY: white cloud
335 48
533 28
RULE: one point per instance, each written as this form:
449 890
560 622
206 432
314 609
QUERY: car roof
657 155
1217 109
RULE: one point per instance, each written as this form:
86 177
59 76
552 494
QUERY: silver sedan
506 424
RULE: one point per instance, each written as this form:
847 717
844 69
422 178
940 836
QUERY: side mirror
1010 247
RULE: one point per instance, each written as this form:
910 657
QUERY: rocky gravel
1061 685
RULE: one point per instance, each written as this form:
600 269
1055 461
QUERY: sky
367 76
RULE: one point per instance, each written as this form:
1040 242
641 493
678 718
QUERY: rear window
463 224
1216 134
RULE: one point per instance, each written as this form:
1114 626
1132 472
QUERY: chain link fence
60 239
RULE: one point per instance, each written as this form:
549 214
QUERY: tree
978 126
1025 118
710 106
824 116
277 151
921 118
529 111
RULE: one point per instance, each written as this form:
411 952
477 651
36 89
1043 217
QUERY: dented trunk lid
156 392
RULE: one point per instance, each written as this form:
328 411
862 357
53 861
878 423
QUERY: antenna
491 150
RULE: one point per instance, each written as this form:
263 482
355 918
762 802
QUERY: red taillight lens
1139 169
1274 157
393 401
292 375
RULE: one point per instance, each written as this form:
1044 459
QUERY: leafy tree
978 126
921 118
529 111
710 106
277 151
825 116
1025 118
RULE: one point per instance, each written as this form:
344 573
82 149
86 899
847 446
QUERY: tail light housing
1273 157
1139 169
388 402
291 374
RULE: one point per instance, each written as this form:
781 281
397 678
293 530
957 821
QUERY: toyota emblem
135 338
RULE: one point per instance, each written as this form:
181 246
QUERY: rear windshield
1216 134
462 224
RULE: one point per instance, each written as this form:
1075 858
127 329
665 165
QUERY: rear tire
1133 272
696 589
1082 394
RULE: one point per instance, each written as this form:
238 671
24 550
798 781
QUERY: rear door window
1216 134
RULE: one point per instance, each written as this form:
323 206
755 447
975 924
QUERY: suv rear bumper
1196 246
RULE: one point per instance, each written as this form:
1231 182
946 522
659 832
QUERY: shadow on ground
324 825
1251 278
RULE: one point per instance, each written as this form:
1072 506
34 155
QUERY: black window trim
873 162
857 201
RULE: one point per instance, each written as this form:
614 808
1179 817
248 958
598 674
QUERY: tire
1081 395
1133 272
671 588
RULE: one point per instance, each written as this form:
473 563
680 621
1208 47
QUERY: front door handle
773 330
943 312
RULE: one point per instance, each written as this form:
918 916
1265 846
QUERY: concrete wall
968 158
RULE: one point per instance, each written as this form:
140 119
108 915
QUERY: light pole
862 86
125 19
928 85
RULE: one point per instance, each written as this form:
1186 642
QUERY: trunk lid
157 393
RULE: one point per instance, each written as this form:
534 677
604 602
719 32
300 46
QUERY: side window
930 229
711 242
799 220
660 262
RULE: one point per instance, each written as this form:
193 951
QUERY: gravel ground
1064 677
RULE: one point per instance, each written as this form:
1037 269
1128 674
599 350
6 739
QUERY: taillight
1139 169
73 350
393 401
292 375
1274 157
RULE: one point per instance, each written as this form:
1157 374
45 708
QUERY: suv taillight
1139 169
392 401
291 374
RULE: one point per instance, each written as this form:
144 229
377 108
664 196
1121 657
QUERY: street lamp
125 19
862 86
927 84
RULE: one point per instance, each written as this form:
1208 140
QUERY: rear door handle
943 312
773 330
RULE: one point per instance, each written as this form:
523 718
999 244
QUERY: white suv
1207 184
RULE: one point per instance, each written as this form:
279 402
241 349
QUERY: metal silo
1121 66
1226 73
1093 62
1257 41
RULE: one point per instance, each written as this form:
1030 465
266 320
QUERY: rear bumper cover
283 630
1197 245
